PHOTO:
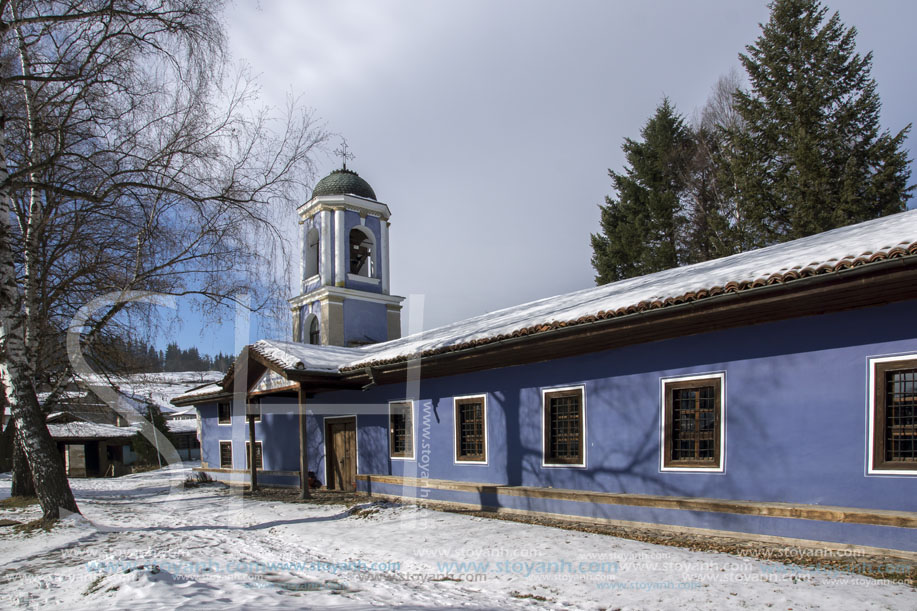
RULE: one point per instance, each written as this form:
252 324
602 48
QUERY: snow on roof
182 426
137 390
89 430
203 391
178 413
64 395
889 237
293 355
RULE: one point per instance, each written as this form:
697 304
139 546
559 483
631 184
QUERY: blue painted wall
365 322
278 433
795 417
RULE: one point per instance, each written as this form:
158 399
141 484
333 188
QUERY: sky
489 127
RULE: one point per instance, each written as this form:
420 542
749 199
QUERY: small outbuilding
91 449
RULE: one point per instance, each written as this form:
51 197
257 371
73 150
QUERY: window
401 429
225 455
564 427
692 417
311 256
315 335
254 409
361 253
893 421
259 464
224 413
470 429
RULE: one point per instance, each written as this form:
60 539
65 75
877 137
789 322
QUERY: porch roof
89 431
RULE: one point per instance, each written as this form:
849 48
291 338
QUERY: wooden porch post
251 451
303 447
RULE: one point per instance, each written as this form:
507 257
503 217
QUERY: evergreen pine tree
810 156
172 359
641 229
709 231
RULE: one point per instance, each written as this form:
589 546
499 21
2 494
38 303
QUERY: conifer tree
810 156
641 228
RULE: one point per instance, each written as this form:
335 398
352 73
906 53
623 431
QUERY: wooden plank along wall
849 515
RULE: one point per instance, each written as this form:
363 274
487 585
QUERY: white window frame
583 428
219 423
871 415
373 272
455 448
721 466
232 457
388 430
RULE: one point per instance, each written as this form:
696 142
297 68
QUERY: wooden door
76 460
341 453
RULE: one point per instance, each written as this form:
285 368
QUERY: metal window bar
901 415
226 455
694 424
471 430
400 431
259 461
565 428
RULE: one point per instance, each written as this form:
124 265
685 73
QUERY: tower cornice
344 202
340 293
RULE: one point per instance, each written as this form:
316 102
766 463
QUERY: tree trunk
23 485
52 487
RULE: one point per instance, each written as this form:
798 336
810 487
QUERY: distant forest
137 357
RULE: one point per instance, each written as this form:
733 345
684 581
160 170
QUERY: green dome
344 182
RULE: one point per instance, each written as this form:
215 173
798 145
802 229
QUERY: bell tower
344 275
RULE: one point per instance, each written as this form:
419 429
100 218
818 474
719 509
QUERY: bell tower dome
344 275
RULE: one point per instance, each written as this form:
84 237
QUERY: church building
770 395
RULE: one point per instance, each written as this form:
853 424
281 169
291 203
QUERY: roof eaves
734 287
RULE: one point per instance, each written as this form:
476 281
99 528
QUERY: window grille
401 429
470 429
225 455
901 415
259 461
693 413
564 427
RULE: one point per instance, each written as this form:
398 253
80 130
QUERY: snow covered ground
147 544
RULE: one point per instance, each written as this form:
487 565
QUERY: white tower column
340 249
383 253
302 254
325 219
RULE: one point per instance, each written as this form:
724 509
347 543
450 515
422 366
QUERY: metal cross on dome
343 153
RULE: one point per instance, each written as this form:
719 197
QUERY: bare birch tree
132 161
